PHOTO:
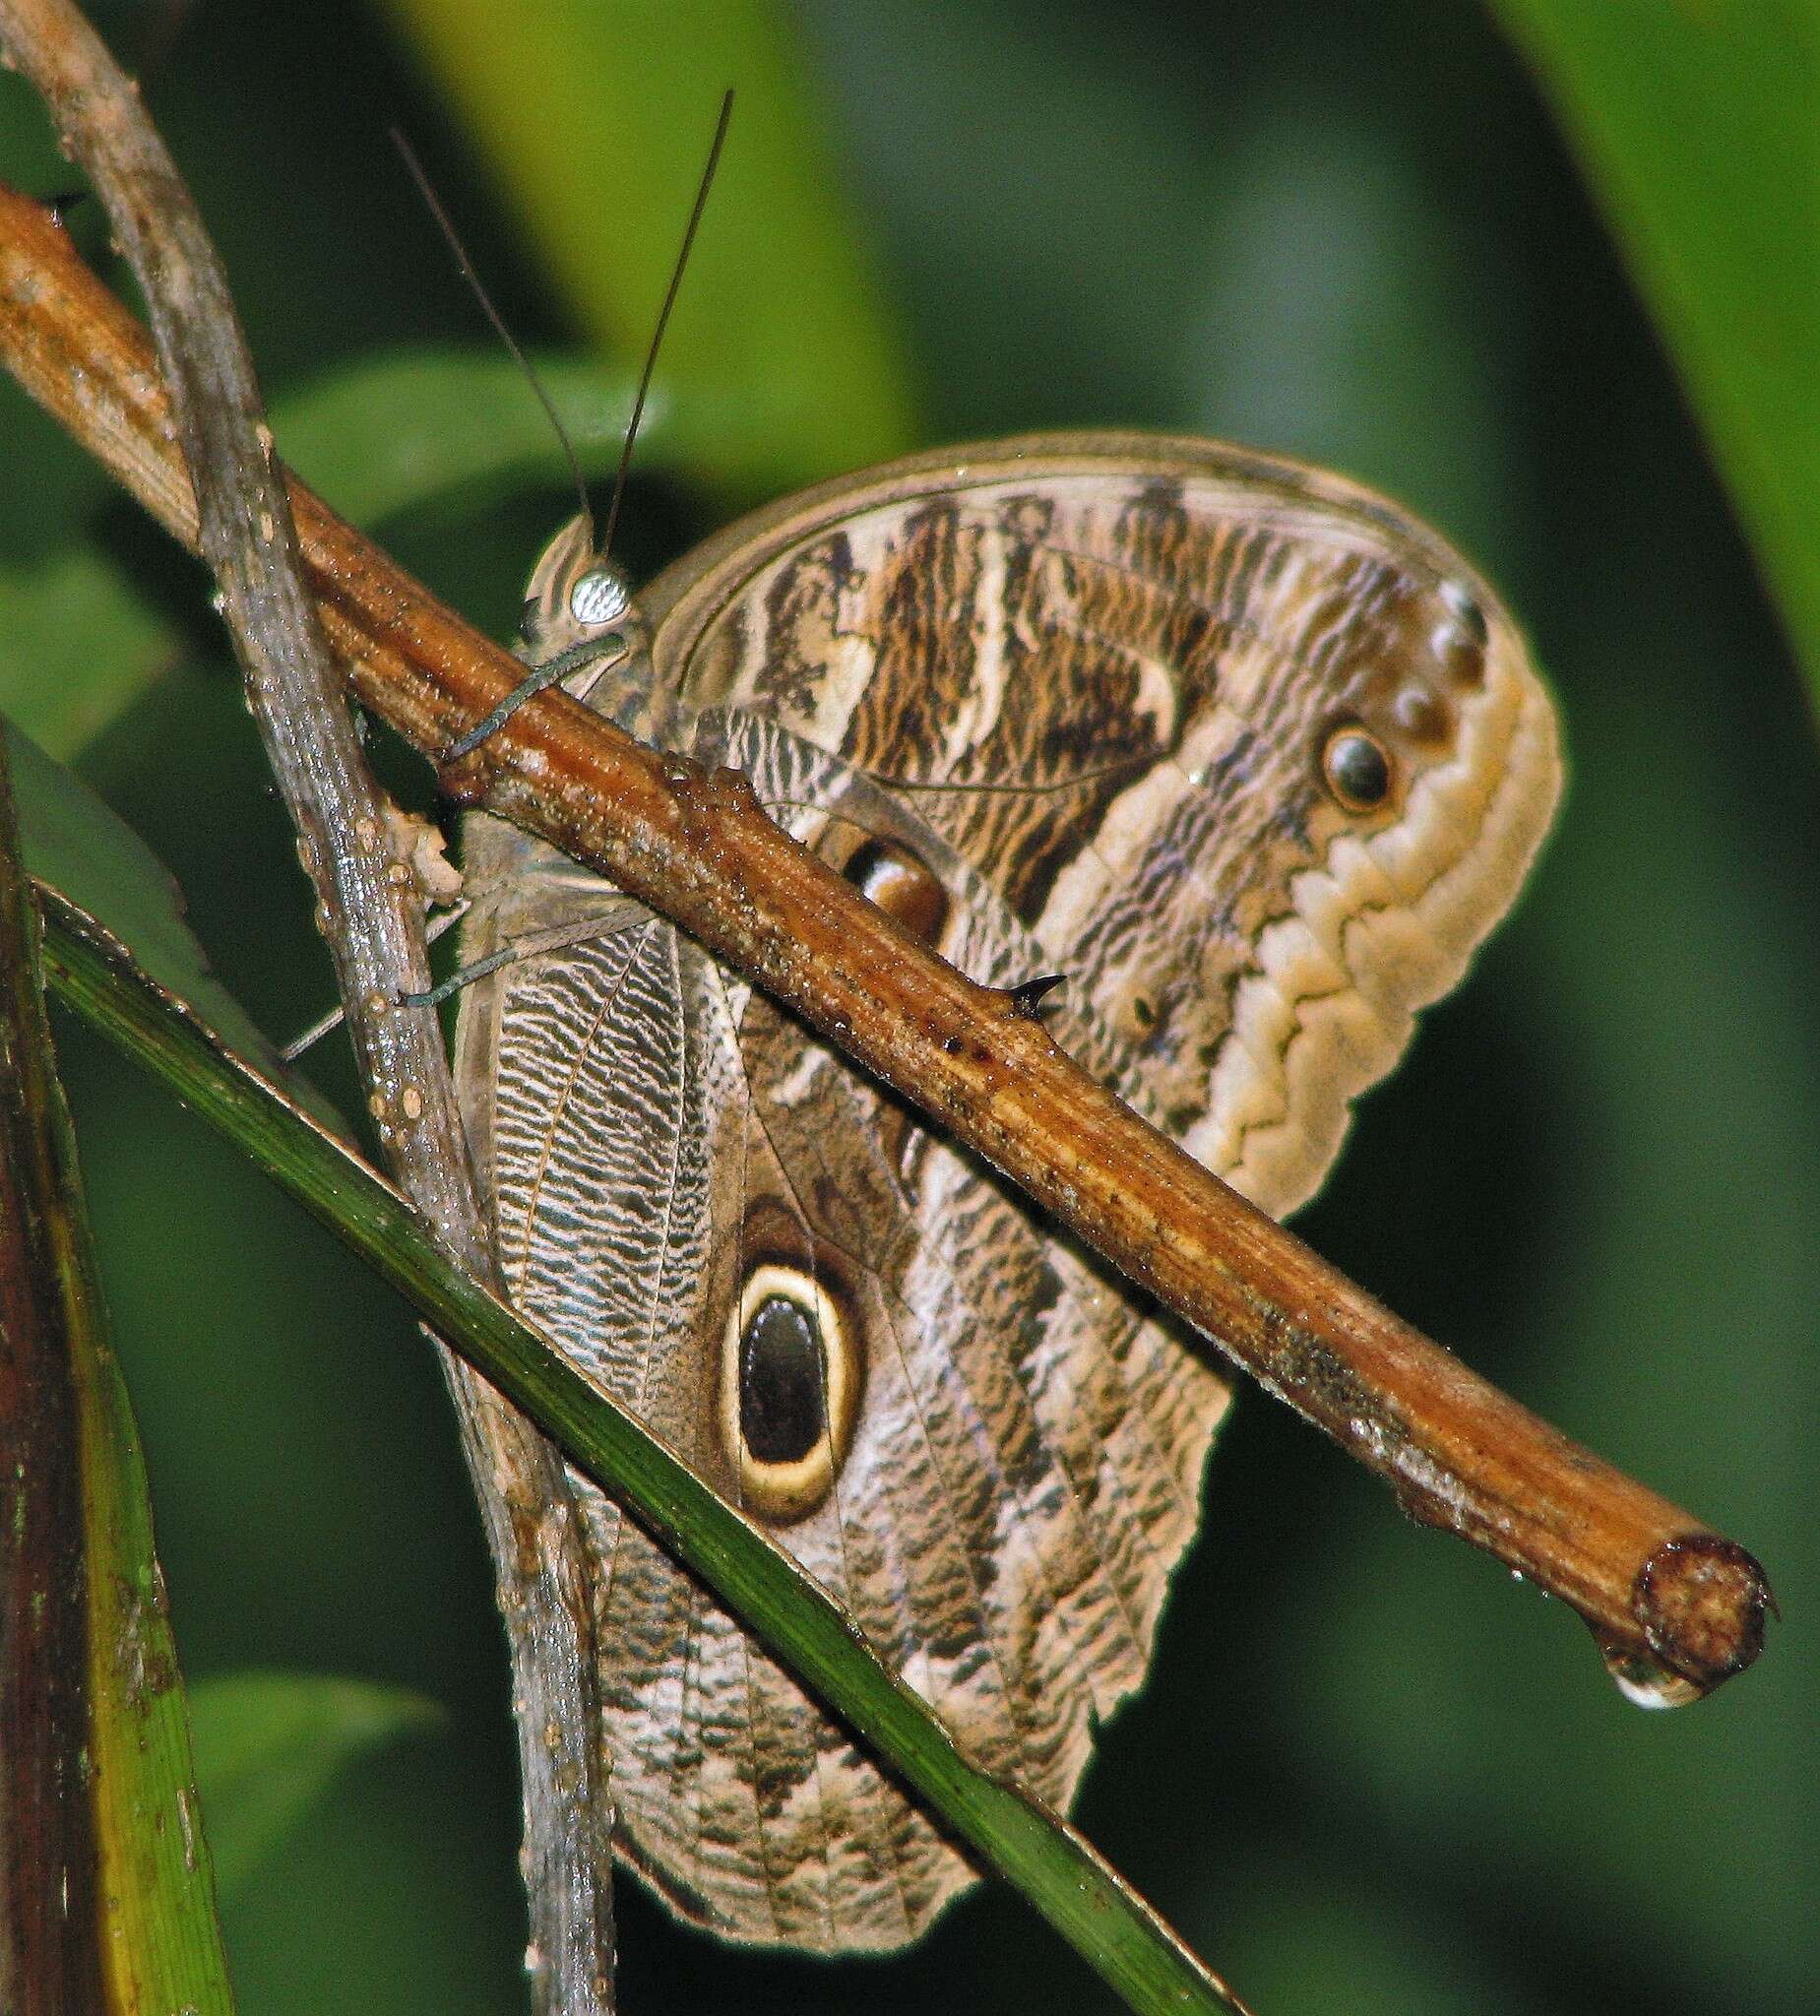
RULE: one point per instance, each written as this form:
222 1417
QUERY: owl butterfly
1241 750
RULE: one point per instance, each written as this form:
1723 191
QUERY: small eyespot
888 874
1356 768
1461 640
601 595
1418 714
1465 613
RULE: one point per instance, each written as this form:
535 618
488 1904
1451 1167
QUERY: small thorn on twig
1026 996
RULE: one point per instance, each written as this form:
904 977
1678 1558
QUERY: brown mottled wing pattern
1105 668
1084 695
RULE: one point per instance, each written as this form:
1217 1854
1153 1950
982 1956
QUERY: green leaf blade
1696 128
108 1896
407 426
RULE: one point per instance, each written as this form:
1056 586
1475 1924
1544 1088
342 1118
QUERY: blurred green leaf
595 114
79 647
1699 129
269 1746
75 844
410 425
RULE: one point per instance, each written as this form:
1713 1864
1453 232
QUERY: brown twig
369 910
1672 1603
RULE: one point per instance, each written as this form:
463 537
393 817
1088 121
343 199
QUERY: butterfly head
577 597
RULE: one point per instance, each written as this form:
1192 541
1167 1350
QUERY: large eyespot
788 1384
779 1381
891 876
1356 766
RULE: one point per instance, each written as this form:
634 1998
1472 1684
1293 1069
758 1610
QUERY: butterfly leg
591 653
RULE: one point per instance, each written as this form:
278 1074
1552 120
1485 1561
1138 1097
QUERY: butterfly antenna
499 321
664 316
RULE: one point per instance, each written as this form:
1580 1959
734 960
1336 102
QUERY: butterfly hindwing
985 1526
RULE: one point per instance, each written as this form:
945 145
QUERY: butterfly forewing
1107 668
1250 757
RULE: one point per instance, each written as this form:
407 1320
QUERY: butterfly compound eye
1355 767
601 595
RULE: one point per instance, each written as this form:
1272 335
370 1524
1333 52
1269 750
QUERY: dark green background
1370 1774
